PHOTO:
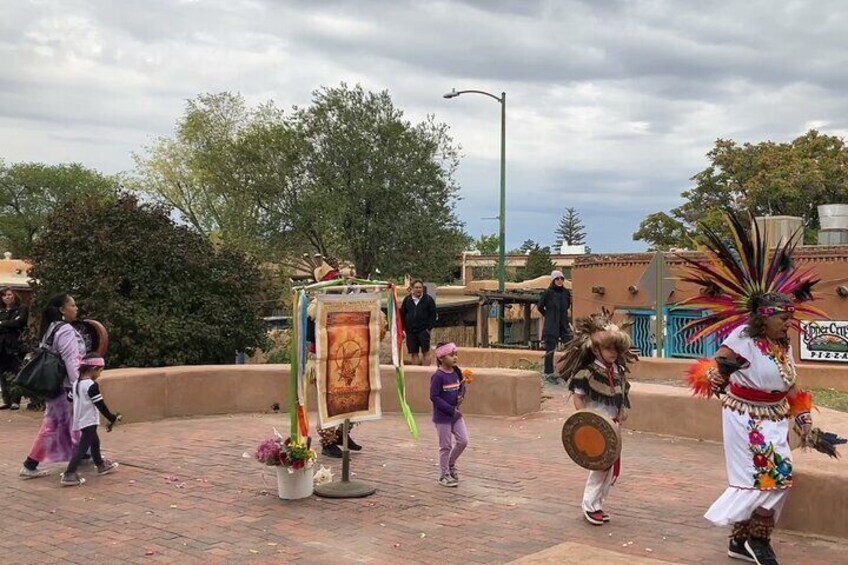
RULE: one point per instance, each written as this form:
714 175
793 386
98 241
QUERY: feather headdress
740 277
591 330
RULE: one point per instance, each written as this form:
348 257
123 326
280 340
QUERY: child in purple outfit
447 391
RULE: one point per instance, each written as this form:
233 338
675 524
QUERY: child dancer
87 402
595 367
447 391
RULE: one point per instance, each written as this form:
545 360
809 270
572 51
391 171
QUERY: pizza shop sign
824 341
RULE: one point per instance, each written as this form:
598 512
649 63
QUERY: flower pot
295 484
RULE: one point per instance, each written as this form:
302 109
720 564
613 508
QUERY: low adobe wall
648 369
818 501
154 394
809 376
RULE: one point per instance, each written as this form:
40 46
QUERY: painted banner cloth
347 331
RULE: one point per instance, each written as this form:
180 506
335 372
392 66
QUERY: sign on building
824 341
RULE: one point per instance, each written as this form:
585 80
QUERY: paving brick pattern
185 493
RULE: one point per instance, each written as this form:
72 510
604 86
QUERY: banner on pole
347 332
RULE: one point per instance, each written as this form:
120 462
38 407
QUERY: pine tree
528 245
571 230
538 263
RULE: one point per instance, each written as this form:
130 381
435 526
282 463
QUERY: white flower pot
295 484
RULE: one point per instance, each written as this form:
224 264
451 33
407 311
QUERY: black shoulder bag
43 374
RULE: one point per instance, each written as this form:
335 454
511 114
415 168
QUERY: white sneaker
107 467
32 473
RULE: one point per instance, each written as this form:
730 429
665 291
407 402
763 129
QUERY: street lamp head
452 94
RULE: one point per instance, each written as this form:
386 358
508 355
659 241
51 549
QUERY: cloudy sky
611 104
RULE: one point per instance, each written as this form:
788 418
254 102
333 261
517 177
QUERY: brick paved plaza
184 494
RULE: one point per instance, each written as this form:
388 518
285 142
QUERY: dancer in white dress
753 294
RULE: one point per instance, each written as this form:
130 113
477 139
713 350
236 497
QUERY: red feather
699 380
800 402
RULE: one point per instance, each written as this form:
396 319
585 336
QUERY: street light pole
502 266
502 216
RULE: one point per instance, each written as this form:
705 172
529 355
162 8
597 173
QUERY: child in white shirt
87 403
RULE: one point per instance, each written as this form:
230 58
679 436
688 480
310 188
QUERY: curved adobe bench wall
153 394
648 369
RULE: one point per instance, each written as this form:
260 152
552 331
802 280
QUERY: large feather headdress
737 276
579 353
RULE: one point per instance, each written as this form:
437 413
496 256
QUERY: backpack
43 375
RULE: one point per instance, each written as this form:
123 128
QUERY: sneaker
352 445
448 481
605 517
32 473
552 379
107 467
15 406
761 551
332 451
454 474
594 518
5 407
71 480
736 550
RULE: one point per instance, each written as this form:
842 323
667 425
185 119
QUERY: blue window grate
643 332
677 339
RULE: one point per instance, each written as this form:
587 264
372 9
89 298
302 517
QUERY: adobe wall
154 394
616 273
648 369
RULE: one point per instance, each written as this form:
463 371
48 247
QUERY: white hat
557 275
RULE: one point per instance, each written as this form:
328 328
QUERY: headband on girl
768 311
446 349
93 362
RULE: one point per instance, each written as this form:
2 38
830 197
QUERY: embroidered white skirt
759 468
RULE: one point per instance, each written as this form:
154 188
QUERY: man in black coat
418 316
554 305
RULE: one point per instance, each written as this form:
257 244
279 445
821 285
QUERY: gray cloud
611 104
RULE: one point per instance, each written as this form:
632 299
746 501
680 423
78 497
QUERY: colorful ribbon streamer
396 326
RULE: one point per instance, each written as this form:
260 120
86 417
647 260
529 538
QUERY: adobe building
14 274
616 281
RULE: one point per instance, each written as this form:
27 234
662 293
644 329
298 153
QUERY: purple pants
450 451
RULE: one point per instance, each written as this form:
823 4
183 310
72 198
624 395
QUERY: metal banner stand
345 488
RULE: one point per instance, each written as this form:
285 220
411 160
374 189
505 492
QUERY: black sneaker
352 445
332 451
761 551
737 550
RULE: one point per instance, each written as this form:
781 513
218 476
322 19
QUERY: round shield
94 335
591 440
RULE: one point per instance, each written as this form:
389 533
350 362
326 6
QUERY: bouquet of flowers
294 455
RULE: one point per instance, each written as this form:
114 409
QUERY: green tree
227 170
347 177
528 246
376 188
570 230
31 191
487 244
538 263
757 179
164 292
662 232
